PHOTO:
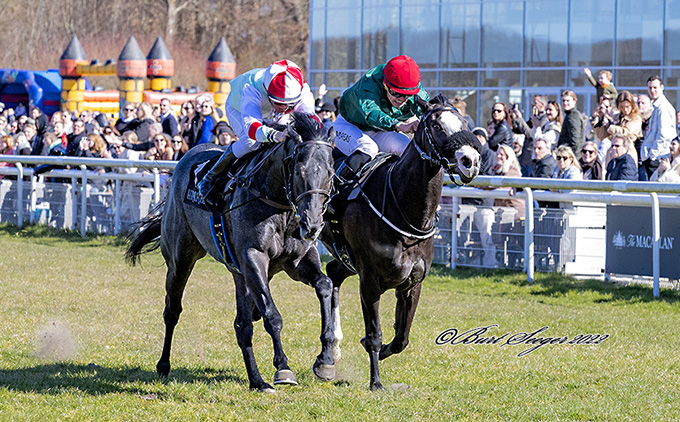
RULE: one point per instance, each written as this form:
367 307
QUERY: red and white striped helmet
283 81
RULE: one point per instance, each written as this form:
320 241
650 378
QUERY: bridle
434 158
289 162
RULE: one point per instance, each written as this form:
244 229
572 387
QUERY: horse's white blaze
466 151
450 122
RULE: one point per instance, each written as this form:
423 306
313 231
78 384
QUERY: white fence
569 239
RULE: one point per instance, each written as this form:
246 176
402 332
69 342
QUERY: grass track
78 293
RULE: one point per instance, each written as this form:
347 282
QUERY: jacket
608 91
622 168
502 135
545 167
573 132
660 130
365 104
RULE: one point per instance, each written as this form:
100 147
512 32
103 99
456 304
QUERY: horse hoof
285 377
377 386
265 389
163 369
324 372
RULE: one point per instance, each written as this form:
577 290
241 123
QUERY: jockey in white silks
258 97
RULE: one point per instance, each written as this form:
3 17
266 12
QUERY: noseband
289 162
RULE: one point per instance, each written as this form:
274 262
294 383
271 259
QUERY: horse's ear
424 105
293 134
331 135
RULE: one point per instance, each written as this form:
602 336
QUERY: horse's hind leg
243 325
407 301
337 272
308 271
180 264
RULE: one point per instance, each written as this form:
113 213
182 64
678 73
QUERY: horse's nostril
466 161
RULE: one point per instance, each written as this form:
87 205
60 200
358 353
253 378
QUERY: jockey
260 96
375 110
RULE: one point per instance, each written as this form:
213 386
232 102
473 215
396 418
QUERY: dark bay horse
389 227
273 222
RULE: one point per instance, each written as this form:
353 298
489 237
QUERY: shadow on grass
554 285
44 233
98 380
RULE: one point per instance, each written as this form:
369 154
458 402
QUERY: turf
80 334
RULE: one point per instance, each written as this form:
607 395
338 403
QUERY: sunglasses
396 94
562 158
176 142
128 109
587 151
187 108
159 139
495 110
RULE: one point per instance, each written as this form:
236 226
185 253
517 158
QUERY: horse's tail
147 232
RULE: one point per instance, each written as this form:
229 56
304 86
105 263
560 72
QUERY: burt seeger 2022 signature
476 336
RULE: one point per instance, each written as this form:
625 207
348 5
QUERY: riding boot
347 172
206 184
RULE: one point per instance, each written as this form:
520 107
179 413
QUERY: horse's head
309 148
443 137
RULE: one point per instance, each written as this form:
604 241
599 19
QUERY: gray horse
275 216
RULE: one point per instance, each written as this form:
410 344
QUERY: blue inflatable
41 88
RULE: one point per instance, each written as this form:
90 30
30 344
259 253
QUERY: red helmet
402 75
283 81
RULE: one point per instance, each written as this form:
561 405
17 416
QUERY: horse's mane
308 126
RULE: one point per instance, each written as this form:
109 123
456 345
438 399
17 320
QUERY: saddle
338 202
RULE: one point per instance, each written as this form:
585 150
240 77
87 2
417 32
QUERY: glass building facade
499 50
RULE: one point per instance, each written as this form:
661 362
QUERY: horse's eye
436 126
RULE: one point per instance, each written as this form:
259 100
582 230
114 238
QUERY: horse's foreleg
258 284
407 302
370 305
308 271
337 273
243 325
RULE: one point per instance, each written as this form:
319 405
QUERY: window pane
592 32
544 77
459 79
343 39
633 77
460 35
503 79
419 34
341 80
639 33
502 34
672 35
316 36
546 33
381 35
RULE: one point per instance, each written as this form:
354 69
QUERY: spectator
6 148
538 112
162 149
326 113
58 129
52 147
677 123
669 167
599 122
194 133
461 106
499 127
20 110
41 121
168 118
661 128
567 165
573 127
508 166
591 166
622 164
179 147
209 119
544 163
644 104
518 141
483 217
86 117
4 128
628 123
603 85
66 118
128 116
187 113
153 130
224 134
550 130
142 121
33 139
75 138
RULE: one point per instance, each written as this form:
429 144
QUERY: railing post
20 194
83 200
656 236
156 186
455 209
116 207
529 235
33 201
74 202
